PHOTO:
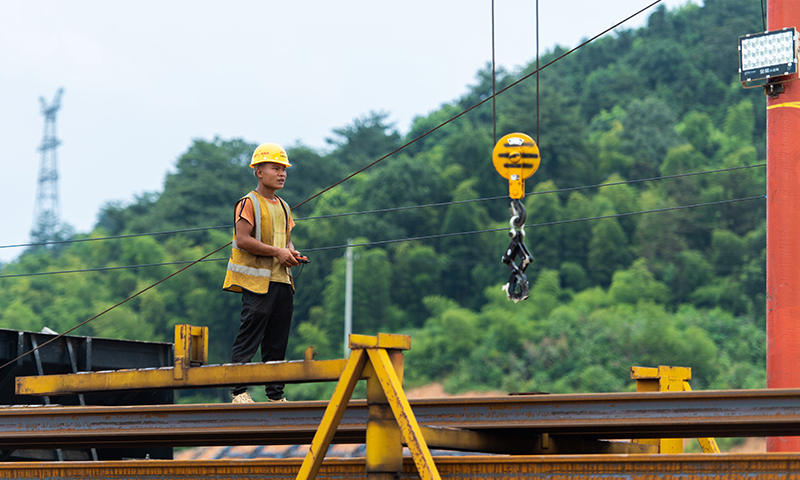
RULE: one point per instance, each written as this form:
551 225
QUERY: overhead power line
535 225
346 178
115 237
543 192
118 267
464 112
397 240
394 209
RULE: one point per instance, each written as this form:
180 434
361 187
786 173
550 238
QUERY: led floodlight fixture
768 54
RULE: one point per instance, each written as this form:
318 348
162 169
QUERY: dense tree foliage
675 287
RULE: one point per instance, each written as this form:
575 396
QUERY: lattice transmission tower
46 216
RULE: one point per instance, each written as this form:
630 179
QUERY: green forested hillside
680 287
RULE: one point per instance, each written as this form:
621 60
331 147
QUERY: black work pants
266 320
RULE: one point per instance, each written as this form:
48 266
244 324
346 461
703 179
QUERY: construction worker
260 268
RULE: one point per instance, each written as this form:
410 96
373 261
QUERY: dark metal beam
521 443
738 413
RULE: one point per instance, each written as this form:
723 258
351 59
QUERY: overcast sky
143 78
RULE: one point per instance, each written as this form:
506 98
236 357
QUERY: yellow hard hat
270 152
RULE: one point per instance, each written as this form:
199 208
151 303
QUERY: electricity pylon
46 217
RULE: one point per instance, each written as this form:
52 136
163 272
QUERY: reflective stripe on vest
253 272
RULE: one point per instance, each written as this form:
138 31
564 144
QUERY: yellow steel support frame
668 379
384 449
333 415
402 412
206 376
377 359
191 348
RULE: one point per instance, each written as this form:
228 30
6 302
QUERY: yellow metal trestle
382 355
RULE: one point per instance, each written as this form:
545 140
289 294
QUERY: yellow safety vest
252 272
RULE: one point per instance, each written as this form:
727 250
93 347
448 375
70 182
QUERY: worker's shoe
282 399
243 398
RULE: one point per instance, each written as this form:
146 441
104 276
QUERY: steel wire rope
464 112
407 239
394 209
537 75
494 86
113 307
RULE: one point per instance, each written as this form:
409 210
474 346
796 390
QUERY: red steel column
783 228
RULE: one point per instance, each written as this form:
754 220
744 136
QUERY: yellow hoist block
516 157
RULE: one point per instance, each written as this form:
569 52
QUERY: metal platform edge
782 466
741 413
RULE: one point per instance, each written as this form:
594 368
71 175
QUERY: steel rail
772 466
718 413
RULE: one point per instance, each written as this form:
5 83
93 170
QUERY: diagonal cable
355 173
115 305
464 112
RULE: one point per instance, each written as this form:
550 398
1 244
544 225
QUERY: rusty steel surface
739 413
174 425
764 466
717 413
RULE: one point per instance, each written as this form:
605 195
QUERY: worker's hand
287 257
